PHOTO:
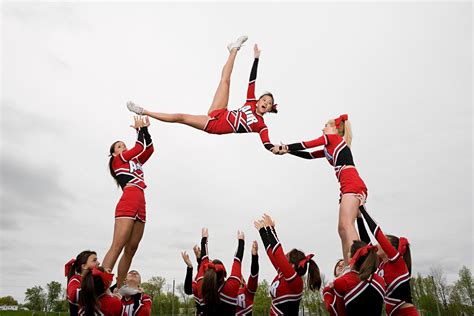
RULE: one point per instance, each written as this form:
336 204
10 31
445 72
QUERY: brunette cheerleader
74 270
219 120
247 290
130 213
286 289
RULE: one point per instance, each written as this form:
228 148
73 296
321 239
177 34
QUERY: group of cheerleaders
366 277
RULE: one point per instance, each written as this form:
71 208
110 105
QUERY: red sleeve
264 135
72 287
323 140
252 284
232 284
145 310
289 274
387 247
131 153
145 155
330 300
199 276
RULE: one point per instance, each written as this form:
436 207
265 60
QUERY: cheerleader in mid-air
395 267
219 295
74 270
219 120
130 213
286 289
336 139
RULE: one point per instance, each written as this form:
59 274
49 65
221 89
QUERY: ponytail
345 131
213 278
303 263
364 262
314 276
111 169
406 253
209 290
91 288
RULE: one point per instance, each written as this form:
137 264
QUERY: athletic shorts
351 183
408 311
217 123
132 204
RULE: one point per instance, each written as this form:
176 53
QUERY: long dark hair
210 286
80 260
91 288
394 240
314 277
366 265
112 172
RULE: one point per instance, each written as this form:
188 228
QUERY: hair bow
68 266
361 252
305 260
341 118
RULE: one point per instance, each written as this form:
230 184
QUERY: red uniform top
247 293
137 305
72 294
109 306
230 287
360 297
335 150
394 271
128 165
286 289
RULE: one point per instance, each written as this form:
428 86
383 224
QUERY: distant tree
154 286
53 297
163 304
262 299
8 301
441 286
35 298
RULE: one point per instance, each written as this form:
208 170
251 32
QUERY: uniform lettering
248 113
273 288
241 300
135 166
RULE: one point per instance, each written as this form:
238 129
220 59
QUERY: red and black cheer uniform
229 289
137 305
360 297
129 174
243 120
286 289
109 306
339 155
394 271
73 290
247 292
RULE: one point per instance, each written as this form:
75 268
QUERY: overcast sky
402 71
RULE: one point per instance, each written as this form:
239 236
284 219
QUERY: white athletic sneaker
132 107
238 43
